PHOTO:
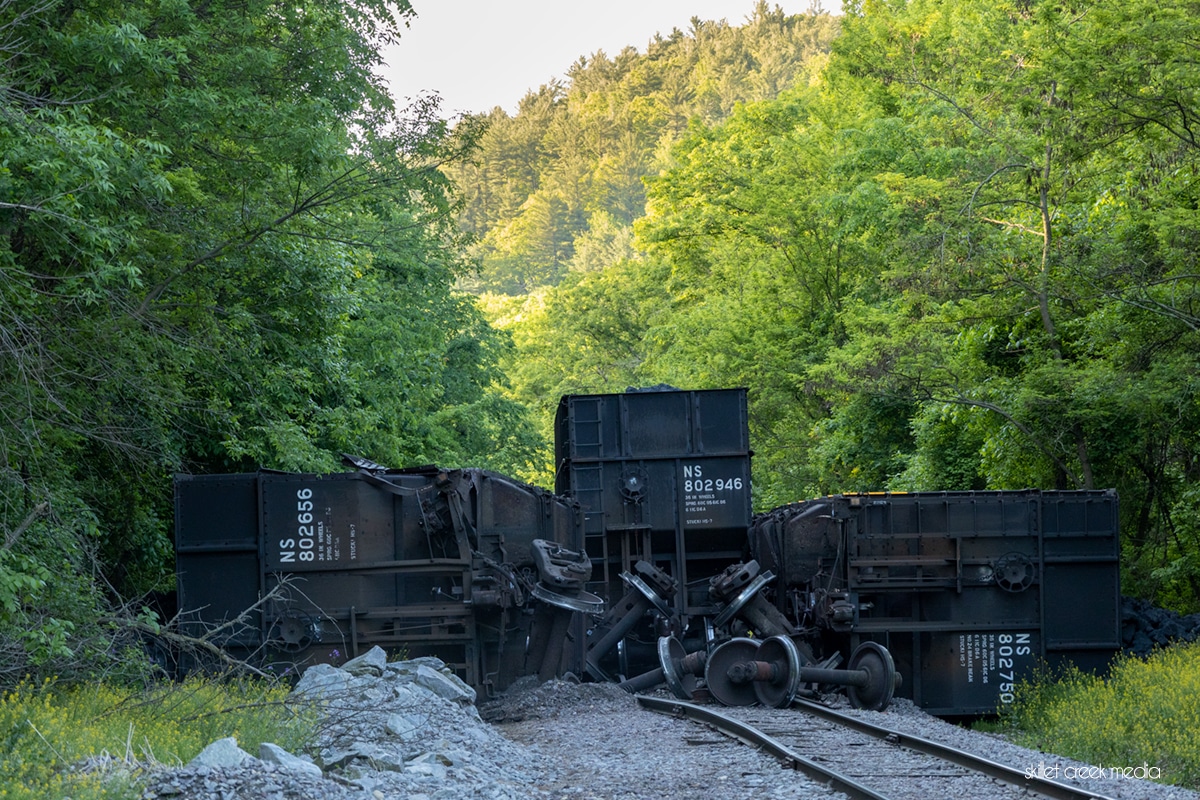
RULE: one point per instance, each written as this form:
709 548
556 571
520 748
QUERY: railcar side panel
319 568
663 477
970 591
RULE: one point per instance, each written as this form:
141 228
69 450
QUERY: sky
478 54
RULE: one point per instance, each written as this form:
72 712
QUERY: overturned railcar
425 561
969 591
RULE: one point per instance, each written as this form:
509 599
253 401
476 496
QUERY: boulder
369 754
274 754
221 754
373 662
322 680
449 687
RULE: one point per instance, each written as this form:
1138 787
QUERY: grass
1144 714
51 735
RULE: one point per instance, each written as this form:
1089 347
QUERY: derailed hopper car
961 594
453 563
663 477
969 591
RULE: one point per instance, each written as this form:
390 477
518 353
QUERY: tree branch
1025 431
1014 225
38 511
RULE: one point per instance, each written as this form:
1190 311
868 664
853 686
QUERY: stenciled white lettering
301 548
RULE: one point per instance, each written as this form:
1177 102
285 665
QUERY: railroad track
866 761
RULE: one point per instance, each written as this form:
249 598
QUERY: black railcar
662 476
961 594
421 562
969 591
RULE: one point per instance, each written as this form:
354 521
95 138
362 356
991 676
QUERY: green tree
1038 294
221 247
586 335
767 221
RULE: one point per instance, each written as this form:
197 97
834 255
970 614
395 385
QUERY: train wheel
726 690
875 660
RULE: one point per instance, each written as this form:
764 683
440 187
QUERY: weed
1146 711
95 741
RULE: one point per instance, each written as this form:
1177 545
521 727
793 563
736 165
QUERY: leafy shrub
1145 712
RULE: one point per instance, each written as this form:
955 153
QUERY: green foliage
1143 713
55 618
20 578
98 740
583 336
860 448
1041 302
954 247
1173 575
978 211
772 252
946 451
221 248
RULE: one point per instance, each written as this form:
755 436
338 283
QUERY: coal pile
1145 627
529 700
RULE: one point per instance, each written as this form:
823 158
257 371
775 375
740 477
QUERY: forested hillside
556 188
960 252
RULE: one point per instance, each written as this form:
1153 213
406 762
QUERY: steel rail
756 738
1032 783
